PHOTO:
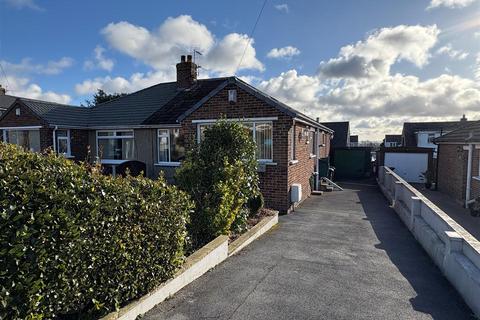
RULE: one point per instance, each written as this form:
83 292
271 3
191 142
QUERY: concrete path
344 255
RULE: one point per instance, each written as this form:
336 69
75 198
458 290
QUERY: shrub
77 243
220 174
255 204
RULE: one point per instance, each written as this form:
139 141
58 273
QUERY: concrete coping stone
245 239
472 241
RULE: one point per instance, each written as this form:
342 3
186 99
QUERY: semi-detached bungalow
157 125
459 163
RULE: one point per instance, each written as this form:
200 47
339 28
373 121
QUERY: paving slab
342 255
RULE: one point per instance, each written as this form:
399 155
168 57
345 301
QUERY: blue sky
375 63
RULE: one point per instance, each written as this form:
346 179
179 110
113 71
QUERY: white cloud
20 4
101 62
477 67
452 53
450 3
161 48
285 52
476 34
27 67
374 56
365 92
23 87
282 7
136 82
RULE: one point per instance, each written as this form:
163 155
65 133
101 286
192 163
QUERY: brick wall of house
325 139
27 118
301 171
452 171
79 144
274 181
475 186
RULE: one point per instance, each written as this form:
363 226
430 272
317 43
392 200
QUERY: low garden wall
455 251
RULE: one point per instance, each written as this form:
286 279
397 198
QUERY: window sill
167 164
102 161
313 156
293 162
267 162
476 178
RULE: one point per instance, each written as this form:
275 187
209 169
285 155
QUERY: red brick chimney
3 91
186 73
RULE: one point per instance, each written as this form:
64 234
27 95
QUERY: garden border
251 235
194 267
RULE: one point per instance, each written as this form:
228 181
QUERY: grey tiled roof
159 104
410 128
6 101
467 133
58 114
393 138
341 135
133 109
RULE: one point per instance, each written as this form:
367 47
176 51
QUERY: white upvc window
63 142
27 138
261 132
115 146
170 148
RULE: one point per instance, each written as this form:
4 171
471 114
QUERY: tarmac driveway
343 255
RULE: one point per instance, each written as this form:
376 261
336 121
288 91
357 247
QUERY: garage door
409 166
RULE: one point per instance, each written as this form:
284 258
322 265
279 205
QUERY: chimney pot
182 58
189 58
464 118
3 91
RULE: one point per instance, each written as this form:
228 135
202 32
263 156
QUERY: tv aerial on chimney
195 52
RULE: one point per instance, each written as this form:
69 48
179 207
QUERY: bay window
29 139
170 147
115 146
261 132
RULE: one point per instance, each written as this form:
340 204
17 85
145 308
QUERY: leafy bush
220 174
75 243
255 204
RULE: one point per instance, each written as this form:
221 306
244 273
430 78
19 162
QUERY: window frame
5 131
254 135
68 154
167 135
114 136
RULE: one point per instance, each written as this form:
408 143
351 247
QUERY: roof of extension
341 134
470 133
159 104
410 128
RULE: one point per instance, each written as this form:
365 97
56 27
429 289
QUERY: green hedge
220 175
77 244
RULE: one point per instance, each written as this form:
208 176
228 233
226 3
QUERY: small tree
221 176
101 96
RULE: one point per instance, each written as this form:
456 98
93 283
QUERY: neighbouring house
422 134
156 126
5 100
459 163
392 140
354 141
341 135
